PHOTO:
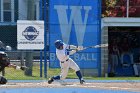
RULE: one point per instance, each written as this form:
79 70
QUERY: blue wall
76 22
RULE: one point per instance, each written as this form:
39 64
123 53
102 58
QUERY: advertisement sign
75 22
30 35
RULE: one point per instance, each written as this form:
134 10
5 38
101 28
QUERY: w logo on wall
75 19
75 22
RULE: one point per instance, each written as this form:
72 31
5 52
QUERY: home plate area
92 86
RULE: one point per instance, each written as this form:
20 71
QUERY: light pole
29 54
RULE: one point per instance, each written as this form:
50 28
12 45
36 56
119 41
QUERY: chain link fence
13 10
10 12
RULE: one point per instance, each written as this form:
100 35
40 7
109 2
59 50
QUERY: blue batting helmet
58 43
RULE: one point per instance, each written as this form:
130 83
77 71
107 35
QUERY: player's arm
17 67
12 66
73 49
72 52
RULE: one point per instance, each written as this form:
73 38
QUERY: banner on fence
30 35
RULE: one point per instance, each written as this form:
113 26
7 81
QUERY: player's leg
3 80
75 67
64 72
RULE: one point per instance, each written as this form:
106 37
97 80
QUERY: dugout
125 33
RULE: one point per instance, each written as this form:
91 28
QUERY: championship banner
76 22
30 35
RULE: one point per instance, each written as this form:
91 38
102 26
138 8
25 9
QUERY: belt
65 61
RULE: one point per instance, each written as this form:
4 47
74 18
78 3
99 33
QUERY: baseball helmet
58 44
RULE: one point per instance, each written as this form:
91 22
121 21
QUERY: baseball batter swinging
65 61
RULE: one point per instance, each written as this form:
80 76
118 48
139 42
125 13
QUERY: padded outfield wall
76 22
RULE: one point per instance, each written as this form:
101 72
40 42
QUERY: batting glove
21 68
80 48
97 46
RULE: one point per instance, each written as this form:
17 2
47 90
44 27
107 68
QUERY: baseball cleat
82 81
50 80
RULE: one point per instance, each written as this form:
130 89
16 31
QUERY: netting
10 12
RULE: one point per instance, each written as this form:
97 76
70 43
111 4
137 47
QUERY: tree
118 8
114 8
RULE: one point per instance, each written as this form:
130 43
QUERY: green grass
13 74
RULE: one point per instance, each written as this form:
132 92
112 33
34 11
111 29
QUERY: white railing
127 12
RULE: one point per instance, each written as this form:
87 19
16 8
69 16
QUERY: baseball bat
97 46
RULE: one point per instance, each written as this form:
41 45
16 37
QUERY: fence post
45 38
40 17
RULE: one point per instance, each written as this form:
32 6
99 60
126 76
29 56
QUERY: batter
63 51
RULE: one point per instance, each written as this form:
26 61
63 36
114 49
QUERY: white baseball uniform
65 61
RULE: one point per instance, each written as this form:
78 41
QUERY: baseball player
62 52
4 62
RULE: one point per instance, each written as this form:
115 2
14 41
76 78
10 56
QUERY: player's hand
80 48
23 68
96 46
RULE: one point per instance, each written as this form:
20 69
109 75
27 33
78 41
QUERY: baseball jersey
62 54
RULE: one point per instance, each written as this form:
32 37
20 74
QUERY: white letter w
76 18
